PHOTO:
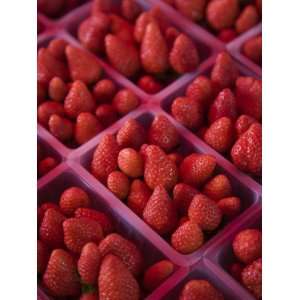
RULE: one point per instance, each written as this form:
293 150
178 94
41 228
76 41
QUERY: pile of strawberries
140 45
226 18
225 110
247 248
45 163
253 49
75 101
79 254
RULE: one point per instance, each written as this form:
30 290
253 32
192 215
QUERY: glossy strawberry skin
253 49
247 19
47 109
131 163
193 10
218 187
243 123
149 84
61 128
118 183
43 255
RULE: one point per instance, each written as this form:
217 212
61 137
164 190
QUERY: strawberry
131 162
252 278
188 112
171 35
46 165
125 250
218 187
247 19
253 49
200 290
79 99
249 96
176 158
224 72
51 8
51 231
222 14
106 114
201 132
57 89
57 48
184 55
87 126
123 56
138 196
187 238
243 123
132 134
183 220
247 245
149 84
43 255
227 35
220 134
101 218
104 90
246 153
258 4
48 108
89 296
119 184
183 195
88 265
45 206
125 101
230 206
105 158
160 212
61 278
159 170
141 23
163 133
105 6
205 213
156 274
154 50
115 281
73 198
130 9
196 168
80 231
61 128
236 271
122 29
223 106
192 9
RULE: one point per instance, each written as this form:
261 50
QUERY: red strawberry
247 245
123 56
222 14
236 271
227 35
131 162
61 128
119 184
80 231
220 134
57 48
252 278
154 50
79 99
218 187
138 196
188 112
249 96
132 134
41 93
57 89
156 274
200 290
51 231
88 264
192 9
160 212
159 170
61 277
89 296
125 250
149 84
125 101
176 158
253 49
183 220
187 238
105 158
184 55
247 19
130 9
106 114
259 6
46 165
230 206
46 205
47 109
183 195
163 133
43 255
51 8
196 168
122 29
171 35
205 213
101 218
115 281
246 153
73 198
102 6
104 90
87 126
243 123
201 132
224 72
140 25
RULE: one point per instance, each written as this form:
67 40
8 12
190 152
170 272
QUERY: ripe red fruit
171 35
124 249
156 274
247 245
115 281
243 123
160 212
61 277
192 9
140 25
187 238
80 231
253 49
227 35
47 109
105 6
259 6
125 101
131 162
230 206
61 128
122 29
57 48
46 165
119 184
43 255
196 168
130 9
106 114
104 90
57 89
45 206
205 213
89 296
176 158
149 84
218 187
236 271
247 19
